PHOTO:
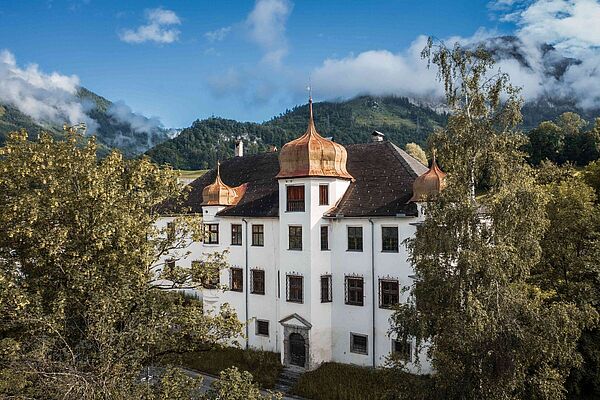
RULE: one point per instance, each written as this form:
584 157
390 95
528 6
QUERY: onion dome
219 194
429 184
313 155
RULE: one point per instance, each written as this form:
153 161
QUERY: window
210 277
236 234
170 231
295 238
258 281
170 264
358 343
295 198
324 237
325 288
355 239
388 293
212 233
323 195
402 349
237 280
262 327
258 235
389 238
294 289
354 291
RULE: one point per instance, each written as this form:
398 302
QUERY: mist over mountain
32 99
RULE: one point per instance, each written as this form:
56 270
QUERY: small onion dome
429 184
312 155
219 194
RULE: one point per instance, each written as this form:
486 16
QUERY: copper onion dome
312 155
219 194
430 183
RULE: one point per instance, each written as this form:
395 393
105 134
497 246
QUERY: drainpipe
373 282
247 284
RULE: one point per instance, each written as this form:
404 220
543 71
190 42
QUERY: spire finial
310 108
218 168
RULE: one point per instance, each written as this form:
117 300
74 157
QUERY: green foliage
236 385
333 381
199 146
417 152
263 365
491 329
568 268
79 313
565 140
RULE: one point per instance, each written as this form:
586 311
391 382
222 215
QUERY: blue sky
248 60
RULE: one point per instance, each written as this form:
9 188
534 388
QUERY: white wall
331 322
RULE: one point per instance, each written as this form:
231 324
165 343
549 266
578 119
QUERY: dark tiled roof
262 193
384 175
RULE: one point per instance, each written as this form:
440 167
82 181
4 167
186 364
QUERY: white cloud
159 28
572 26
218 34
122 113
377 72
47 98
266 24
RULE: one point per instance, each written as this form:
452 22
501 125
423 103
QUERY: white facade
326 328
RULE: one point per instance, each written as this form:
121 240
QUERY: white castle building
314 235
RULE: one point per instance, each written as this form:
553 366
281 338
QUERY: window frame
325 228
360 291
257 327
288 284
355 238
295 205
328 298
209 232
171 230
401 355
253 274
258 234
353 347
391 249
232 279
383 294
235 234
296 229
324 194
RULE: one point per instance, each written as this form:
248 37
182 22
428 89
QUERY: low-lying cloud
47 98
51 99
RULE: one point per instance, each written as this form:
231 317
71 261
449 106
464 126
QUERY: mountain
351 121
117 126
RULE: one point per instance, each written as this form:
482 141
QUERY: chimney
239 147
377 136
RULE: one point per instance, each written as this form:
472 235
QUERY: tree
80 315
489 331
417 152
546 142
568 268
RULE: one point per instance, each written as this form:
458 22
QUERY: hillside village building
314 235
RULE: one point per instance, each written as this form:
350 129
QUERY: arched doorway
297 350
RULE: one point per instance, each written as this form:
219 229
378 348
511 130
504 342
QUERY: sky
178 61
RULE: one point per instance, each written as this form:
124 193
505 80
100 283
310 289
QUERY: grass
263 365
333 381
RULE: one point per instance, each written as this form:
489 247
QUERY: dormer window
295 198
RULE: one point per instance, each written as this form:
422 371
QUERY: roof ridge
408 161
